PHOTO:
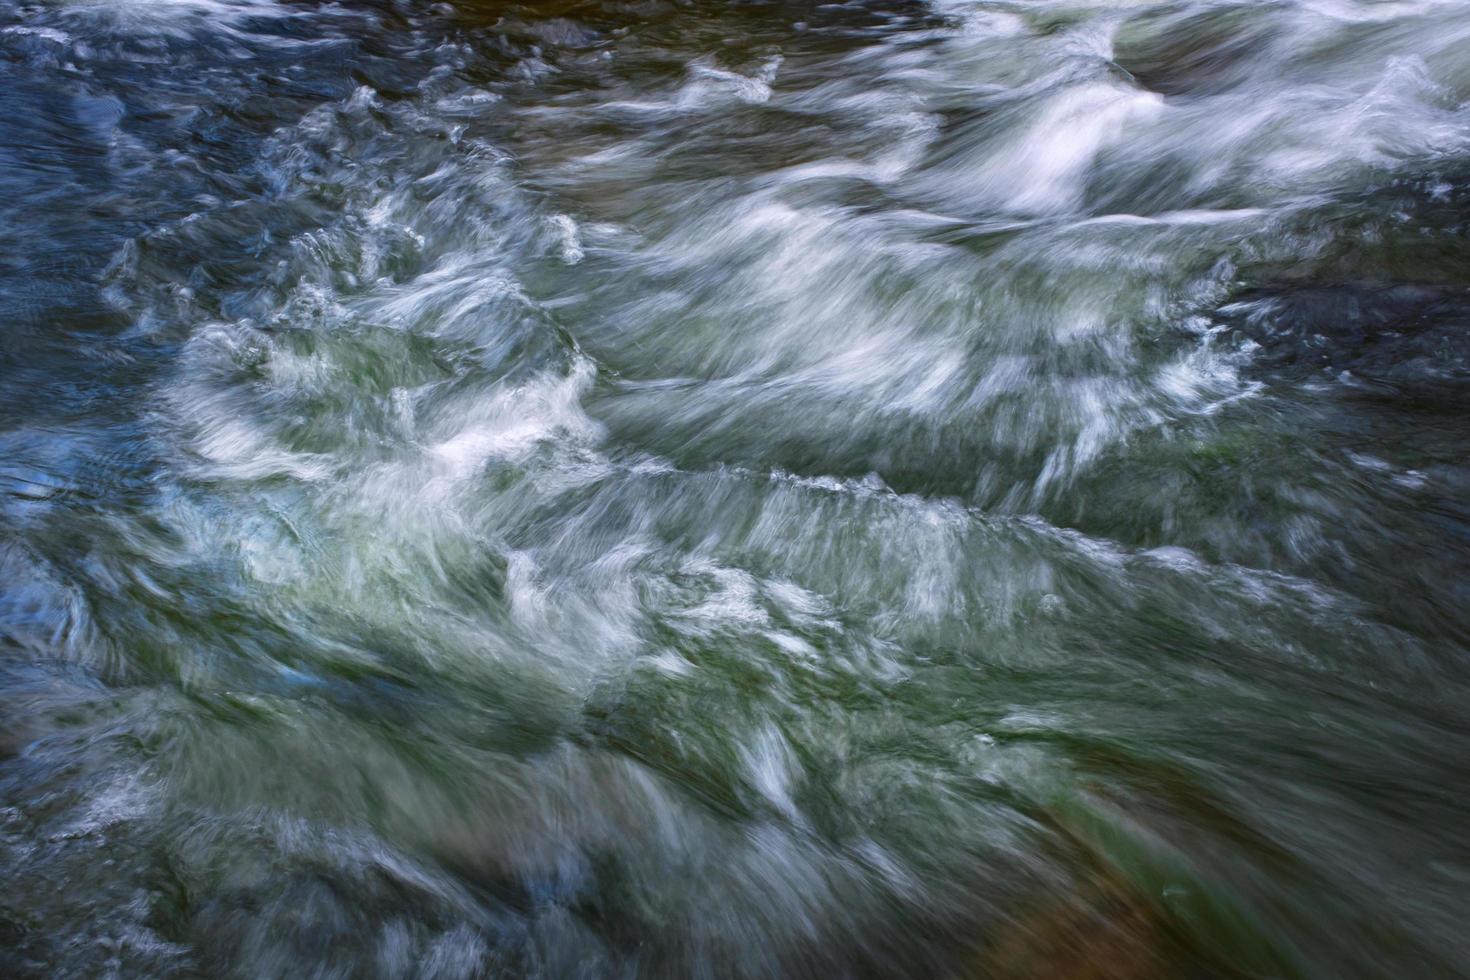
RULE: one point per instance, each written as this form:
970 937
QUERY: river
711 489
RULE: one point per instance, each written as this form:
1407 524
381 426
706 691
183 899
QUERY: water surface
648 489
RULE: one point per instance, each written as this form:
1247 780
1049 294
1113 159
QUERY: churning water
712 489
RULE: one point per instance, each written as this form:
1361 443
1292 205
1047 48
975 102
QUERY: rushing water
711 489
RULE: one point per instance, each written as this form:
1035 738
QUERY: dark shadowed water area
729 490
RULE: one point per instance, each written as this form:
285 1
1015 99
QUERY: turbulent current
725 490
